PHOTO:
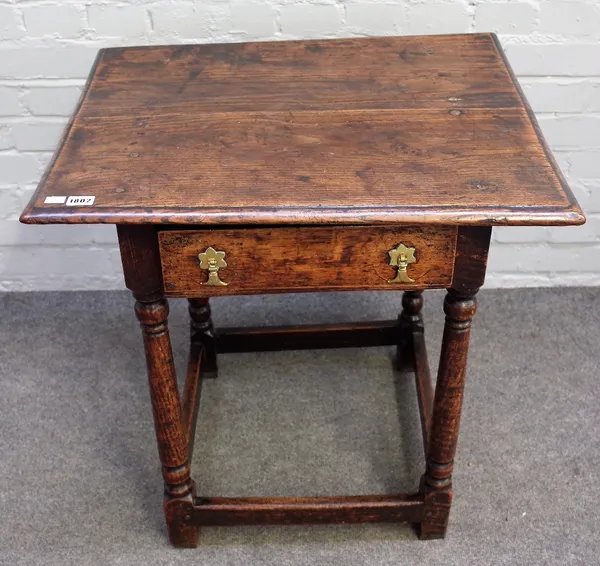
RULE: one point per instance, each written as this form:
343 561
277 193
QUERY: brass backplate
213 260
401 256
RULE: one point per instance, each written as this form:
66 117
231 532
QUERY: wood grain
356 73
390 130
305 259
470 266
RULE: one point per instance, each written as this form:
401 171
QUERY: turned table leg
141 267
409 321
460 305
166 409
202 333
436 484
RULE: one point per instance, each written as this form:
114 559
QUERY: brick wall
47 47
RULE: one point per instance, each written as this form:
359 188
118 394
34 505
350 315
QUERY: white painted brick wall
48 46
9 24
51 100
118 21
58 21
570 18
10 104
515 18
305 20
254 20
380 17
439 17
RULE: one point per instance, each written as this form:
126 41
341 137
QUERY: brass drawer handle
213 260
400 257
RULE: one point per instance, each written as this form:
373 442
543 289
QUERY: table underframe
175 416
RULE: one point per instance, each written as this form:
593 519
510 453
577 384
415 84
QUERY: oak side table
304 166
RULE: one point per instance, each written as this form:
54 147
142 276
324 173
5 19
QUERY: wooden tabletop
429 129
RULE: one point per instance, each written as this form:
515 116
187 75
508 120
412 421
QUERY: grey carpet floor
79 475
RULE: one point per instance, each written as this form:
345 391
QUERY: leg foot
437 512
178 513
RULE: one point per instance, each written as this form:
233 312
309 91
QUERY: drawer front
204 263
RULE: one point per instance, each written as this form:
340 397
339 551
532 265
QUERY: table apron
205 263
